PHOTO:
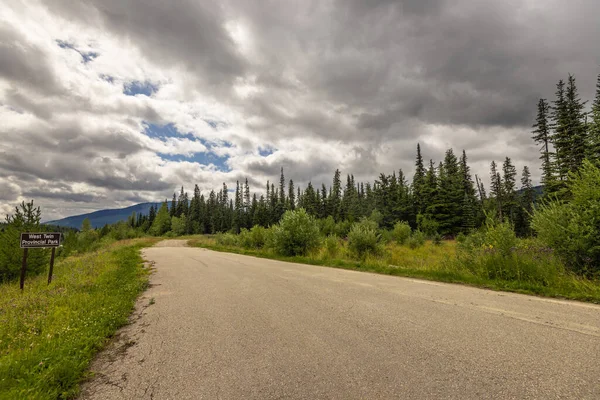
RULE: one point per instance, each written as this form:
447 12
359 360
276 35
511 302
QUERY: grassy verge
49 334
431 262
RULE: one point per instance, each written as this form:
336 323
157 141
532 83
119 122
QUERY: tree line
443 198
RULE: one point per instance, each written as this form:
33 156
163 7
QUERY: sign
39 240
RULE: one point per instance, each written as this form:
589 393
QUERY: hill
100 218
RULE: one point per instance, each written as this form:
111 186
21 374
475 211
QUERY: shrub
401 232
296 234
254 238
496 253
226 239
416 240
342 228
331 245
437 239
427 224
327 226
573 229
386 236
363 239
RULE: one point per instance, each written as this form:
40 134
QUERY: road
224 326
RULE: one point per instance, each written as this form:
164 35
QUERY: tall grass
49 334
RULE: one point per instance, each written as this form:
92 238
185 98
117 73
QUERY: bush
401 232
331 245
296 234
254 238
416 240
386 236
427 224
496 253
226 239
573 229
437 239
363 239
327 226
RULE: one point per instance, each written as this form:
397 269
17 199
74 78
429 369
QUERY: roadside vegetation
49 333
492 257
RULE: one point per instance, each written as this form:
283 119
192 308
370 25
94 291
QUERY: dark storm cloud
24 65
184 32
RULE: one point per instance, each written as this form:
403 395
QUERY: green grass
431 262
49 334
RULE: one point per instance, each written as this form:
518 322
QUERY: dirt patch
172 243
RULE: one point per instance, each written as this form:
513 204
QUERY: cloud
105 103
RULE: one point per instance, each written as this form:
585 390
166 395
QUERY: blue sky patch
200 158
265 151
146 88
163 132
86 56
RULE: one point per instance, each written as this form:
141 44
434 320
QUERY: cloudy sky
107 103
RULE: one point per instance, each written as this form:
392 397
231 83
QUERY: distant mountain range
100 218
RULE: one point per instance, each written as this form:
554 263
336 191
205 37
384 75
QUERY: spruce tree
419 182
336 196
291 196
542 136
509 201
594 128
577 126
526 200
561 137
173 208
496 188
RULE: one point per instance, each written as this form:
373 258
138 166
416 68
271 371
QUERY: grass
50 333
430 261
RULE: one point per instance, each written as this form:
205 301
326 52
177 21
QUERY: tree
291 196
173 209
162 222
86 225
419 182
26 218
577 127
542 136
560 137
526 199
509 201
336 196
594 128
496 188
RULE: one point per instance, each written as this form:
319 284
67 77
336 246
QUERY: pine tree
419 182
561 137
577 127
541 135
247 220
526 200
594 128
335 200
173 208
509 201
291 196
238 209
496 188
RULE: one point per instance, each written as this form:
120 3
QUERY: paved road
225 326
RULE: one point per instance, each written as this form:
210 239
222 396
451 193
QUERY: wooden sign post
38 241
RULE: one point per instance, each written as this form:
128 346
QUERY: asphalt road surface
224 326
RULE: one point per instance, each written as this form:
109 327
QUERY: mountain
100 218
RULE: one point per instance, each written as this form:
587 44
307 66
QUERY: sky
108 103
